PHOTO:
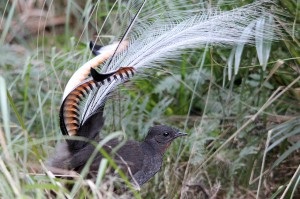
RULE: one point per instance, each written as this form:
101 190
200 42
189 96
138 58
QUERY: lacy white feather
152 44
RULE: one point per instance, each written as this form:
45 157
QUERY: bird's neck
156 147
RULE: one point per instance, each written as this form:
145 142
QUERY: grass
243 131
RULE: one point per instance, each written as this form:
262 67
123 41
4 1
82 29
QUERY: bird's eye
166 134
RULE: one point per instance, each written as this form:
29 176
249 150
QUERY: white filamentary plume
154 43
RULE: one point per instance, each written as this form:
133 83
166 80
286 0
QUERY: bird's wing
130 156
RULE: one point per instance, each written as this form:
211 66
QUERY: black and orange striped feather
71 118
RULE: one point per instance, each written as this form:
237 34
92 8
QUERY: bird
147 47
139 160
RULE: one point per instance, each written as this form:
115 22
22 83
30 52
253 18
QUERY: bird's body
139 160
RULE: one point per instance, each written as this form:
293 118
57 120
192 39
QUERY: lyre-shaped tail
150 46
72 117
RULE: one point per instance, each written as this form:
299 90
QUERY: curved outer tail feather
70 115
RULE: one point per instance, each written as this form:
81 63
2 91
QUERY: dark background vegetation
244 133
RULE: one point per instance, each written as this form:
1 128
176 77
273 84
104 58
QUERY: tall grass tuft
239 106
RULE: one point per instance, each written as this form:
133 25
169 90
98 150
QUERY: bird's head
162 136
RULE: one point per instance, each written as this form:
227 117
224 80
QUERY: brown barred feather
70 111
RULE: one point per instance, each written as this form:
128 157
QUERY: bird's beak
179 134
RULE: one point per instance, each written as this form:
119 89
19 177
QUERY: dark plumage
95 48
